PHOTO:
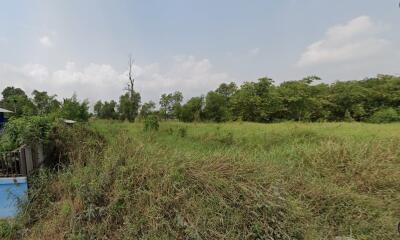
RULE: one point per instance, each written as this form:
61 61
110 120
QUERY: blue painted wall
11 189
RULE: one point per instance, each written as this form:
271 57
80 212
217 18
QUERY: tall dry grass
230 181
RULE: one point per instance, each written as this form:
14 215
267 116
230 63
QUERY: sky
83 47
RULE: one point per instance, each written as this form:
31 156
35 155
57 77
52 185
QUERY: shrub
170 131
182 132
151 123
348 117
25 130
227 139
386 115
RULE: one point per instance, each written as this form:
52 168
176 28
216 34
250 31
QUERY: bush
25 130
182 132
348 117
386 115
151 123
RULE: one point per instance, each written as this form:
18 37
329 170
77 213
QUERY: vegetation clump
151 123
25 130
386 115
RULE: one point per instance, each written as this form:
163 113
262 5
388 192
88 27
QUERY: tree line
374 99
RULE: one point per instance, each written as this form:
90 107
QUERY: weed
182 132
276 181
151 123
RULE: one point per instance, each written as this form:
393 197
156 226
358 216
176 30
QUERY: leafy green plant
151 123
348 117
25 130
226 139
182 132
386 115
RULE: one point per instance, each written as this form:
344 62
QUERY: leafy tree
192 110
218 105
147 109
256 101
227 90
128 106
17 101
12 91
349 96
97 108
44 103
216 108
299 99
386 115
170 105
75 110
108 110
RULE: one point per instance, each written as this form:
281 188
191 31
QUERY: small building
2 117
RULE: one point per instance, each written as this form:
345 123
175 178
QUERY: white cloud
46 41
254 52
186 73
101 81
35 71
357 39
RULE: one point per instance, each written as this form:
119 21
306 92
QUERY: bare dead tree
130 87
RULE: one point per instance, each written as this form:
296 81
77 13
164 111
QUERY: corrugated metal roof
5 110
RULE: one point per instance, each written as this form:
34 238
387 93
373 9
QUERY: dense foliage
25 130
41 104
151 123
371 100
374 99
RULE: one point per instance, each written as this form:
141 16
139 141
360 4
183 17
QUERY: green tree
128 106
385 115
147 109
192 110
75 110
170 105
227 90
98 108
216 108
17 101
256 101
44 103
108 110
300 99
349 96
218 105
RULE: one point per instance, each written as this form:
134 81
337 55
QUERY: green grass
220 181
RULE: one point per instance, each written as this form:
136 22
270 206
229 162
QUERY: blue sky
192 46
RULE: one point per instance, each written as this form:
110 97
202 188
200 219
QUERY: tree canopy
374 99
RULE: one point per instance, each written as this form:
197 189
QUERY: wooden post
29 160
40 154
22 161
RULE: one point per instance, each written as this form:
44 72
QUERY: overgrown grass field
219 181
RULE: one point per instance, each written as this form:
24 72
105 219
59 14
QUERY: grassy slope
233 180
